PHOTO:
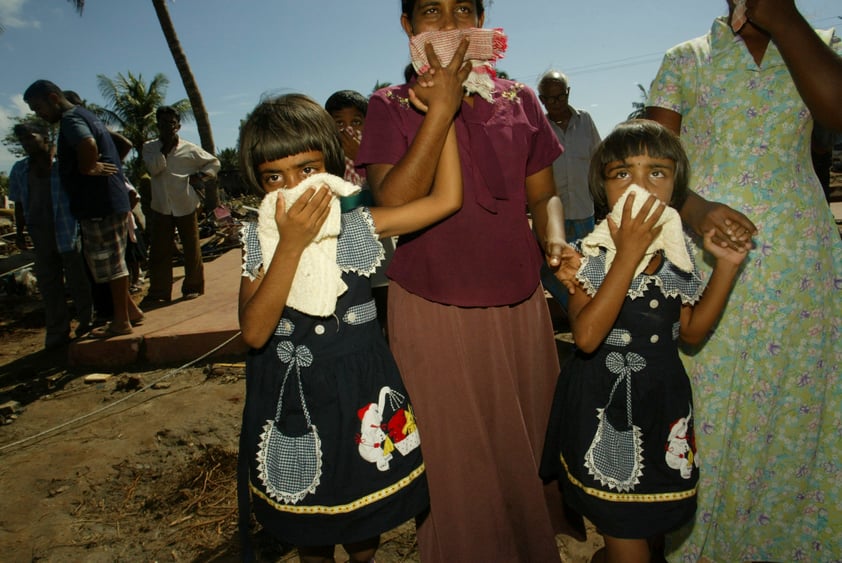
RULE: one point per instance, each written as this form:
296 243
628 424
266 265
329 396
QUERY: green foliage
4 185
229 159
378 85
11 142
231 183
130 109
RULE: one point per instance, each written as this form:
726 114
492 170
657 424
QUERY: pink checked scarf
738 16
486 47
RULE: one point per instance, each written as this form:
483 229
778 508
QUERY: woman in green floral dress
767 382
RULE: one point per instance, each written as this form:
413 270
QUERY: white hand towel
671 239
318 280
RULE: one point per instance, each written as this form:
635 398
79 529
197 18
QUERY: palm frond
79 5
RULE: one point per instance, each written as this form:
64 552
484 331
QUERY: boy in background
348 109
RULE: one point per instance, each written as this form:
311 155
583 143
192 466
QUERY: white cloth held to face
671 239
318 279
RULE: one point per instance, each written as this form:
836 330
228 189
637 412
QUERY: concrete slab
187 330
179 332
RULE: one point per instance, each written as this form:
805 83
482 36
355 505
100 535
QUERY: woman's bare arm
444 199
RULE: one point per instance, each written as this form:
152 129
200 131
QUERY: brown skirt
481 381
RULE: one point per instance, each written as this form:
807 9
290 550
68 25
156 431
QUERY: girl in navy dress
621 437
329 448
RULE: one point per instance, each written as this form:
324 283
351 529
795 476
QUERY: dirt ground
139 467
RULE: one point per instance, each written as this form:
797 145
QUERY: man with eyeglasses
578 135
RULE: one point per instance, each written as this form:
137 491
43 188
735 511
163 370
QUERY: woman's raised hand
773 16
441 86
730 227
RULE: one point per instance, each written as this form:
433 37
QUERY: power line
598 67
636 59
618 63
109 406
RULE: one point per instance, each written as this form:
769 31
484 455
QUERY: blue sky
241 50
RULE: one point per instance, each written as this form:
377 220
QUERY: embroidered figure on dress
403 431
512 93
681 447
375 445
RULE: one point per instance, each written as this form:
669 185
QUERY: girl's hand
634 234
442 85
301 223
724 253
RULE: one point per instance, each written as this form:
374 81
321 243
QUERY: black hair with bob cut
407 6
634 138
284 126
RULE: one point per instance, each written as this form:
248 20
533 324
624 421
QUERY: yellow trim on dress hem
626 497
342 508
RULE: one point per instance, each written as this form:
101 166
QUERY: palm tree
640 107
190 86
131 104
378 85
229 159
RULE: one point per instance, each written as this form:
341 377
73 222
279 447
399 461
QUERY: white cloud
11 15
8 112
21 106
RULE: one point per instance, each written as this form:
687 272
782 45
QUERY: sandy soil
140 467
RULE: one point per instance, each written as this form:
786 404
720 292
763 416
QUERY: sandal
108 331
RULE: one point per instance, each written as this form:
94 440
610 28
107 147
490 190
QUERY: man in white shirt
176 166
578 135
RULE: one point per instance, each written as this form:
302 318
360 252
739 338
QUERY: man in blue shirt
91 173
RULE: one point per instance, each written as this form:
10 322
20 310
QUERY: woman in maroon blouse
468 321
